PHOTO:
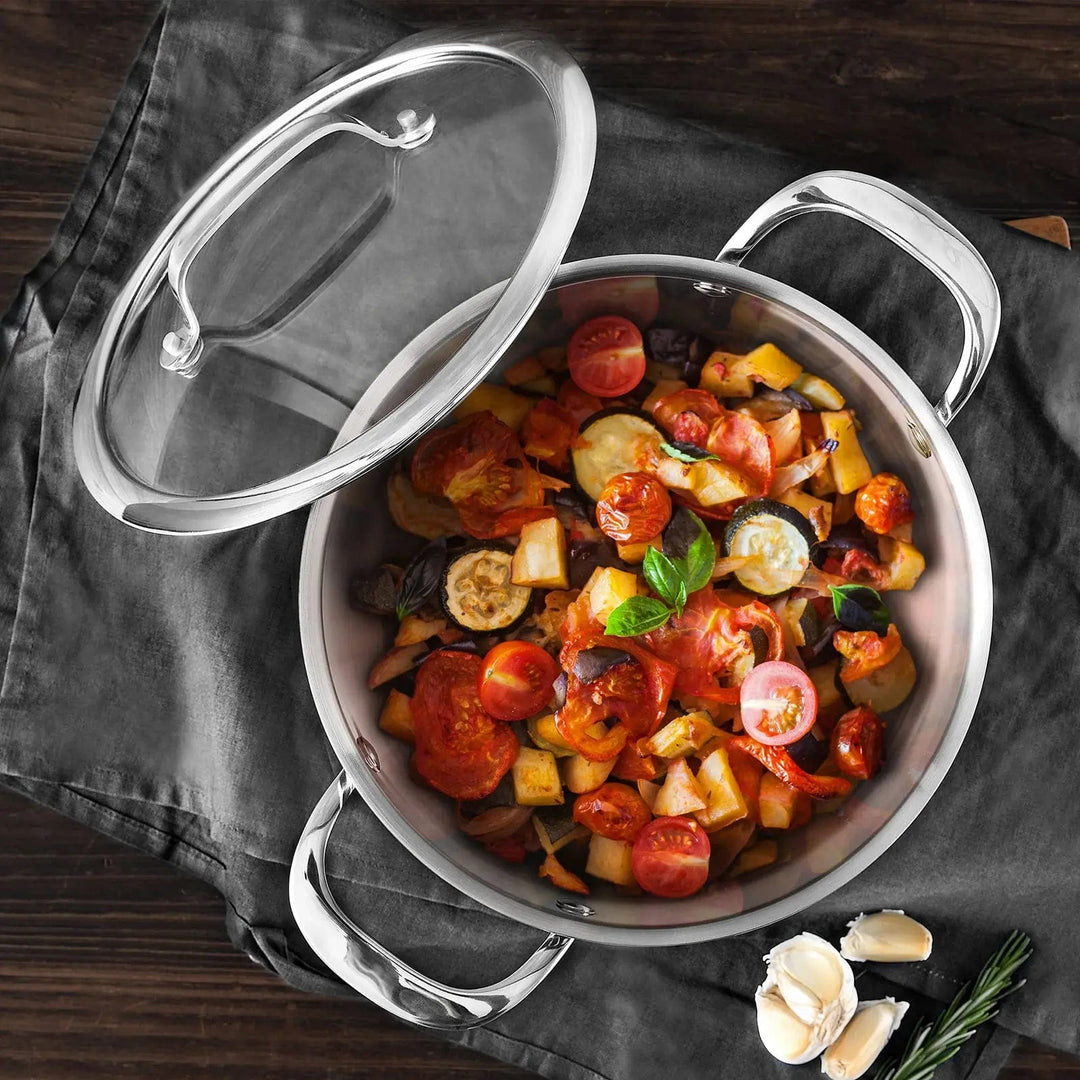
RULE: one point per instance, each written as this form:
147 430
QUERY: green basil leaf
664 575
700 558
422 577
858 607
687 453
638 615
680 598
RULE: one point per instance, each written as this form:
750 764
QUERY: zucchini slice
477 593
779 539
610 443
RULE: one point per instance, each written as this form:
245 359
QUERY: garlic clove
783 1034
889 937
807 998
861 1042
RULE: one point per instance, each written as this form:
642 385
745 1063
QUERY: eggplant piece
760 640
477 593
780 540
610 443
809 752
376 591
558 825
590 664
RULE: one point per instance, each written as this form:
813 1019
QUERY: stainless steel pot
337 283
949 615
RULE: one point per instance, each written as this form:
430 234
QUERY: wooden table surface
111 963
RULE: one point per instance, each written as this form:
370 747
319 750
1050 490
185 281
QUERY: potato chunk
540 558
536 778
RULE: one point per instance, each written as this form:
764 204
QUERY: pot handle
371 970
910 225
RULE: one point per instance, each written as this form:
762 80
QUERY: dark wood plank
111 963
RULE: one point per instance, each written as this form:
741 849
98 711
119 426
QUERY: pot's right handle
912 226
373 971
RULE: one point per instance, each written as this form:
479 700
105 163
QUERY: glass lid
289 283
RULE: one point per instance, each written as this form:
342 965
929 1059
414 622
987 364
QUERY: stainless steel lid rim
981 597
132 501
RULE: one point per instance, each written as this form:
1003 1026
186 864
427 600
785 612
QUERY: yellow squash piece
509 407
536 778
607 588
540 558
724 802
817 511
635 553
848 464
610 860
821 394
581 775
396 718
730 375
903 562
680 737
763 853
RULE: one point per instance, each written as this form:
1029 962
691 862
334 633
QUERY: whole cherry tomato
883 503
460 750
514 681
778 703
612 810
671 857
633 508
858 743
606 356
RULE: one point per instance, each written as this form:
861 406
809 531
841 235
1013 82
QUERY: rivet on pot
709 289
575 907
367 752
919 439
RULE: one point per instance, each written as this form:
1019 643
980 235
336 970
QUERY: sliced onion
798 472
495 824
730 564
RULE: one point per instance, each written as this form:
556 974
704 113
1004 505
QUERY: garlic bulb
887 937
862 1041
807 998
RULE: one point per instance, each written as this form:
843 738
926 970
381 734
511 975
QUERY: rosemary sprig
933 1044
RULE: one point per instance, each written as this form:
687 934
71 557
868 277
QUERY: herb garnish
933 1044
858 607
422 577
673 577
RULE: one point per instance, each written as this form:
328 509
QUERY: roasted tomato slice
606 356
688 415
778 703
460 750
780 763
864 652
671 857
612 810
633 764
740 441
515 680
858 743
548 432
709 639
478 464
635 693
633 508
884 503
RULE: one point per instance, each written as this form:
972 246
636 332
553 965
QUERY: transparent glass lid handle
182 348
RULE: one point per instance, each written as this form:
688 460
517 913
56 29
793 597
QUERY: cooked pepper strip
562 878
780 763
864 652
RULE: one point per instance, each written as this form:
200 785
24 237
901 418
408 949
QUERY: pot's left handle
374 972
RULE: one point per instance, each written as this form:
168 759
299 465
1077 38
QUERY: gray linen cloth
153 687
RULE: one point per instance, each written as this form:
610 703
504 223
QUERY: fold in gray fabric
153 687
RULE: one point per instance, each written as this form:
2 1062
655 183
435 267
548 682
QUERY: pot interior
944 621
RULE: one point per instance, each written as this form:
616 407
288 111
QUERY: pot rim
924 423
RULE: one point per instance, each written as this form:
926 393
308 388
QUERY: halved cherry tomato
778 703
612 810
864 652
858 743
883 503
514 681
606 356
460 750
780 763
633 508
671 857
